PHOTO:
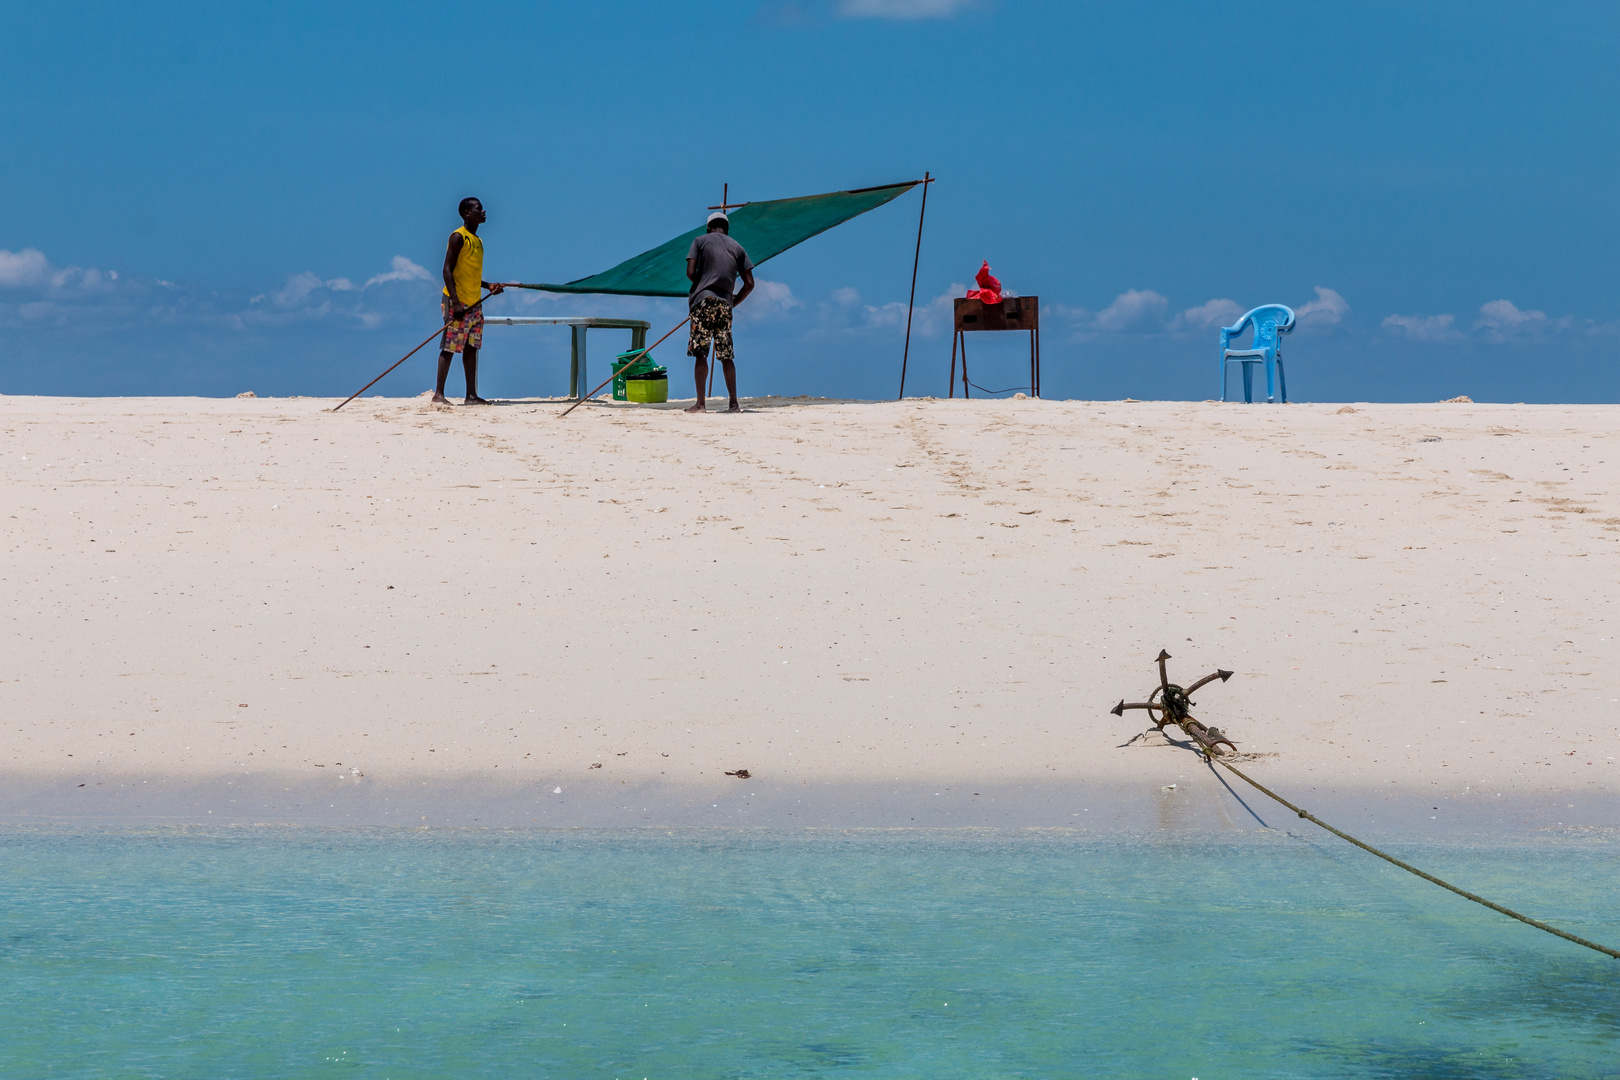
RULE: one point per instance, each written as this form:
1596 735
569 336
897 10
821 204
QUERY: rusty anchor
1171 704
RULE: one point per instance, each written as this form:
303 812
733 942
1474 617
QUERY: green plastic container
648 388
623 368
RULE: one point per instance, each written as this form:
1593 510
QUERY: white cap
718 216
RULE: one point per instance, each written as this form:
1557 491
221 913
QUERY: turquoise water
707 953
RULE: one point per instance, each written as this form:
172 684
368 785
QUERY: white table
578 385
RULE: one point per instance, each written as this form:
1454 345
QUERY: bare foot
700 407
439 399
474 400
734 407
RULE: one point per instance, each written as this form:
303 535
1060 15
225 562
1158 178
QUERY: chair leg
1224 366
1282 382
1271 395
1248 384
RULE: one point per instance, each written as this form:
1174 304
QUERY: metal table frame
1013 313
578 385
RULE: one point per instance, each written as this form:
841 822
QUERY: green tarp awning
764 229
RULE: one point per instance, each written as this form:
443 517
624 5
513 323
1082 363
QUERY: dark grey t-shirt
718 260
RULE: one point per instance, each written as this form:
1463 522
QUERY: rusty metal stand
1013 313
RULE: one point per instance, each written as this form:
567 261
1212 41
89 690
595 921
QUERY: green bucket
649 387
622 367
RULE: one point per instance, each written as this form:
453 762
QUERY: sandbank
255 607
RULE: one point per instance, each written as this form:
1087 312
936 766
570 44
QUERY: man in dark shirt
713 263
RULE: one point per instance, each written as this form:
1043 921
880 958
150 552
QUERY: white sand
877 594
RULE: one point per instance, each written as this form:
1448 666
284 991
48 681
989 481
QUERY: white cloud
1505 315
1423 327
21 269
1130 309
776 294
1502 320
768 300
902 9
89 300
404 270
1208 316
297 290
300 290
844 318
1328 309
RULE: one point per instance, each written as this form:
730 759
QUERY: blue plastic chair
1269 321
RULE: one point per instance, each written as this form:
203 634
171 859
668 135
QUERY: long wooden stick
627 363
911 304
408 355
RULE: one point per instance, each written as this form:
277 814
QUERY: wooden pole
912 302
407 356
627 363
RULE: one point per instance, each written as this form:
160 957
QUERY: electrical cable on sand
1409 868
984 390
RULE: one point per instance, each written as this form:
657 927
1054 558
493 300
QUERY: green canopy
764 229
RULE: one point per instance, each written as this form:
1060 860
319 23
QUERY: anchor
1172 704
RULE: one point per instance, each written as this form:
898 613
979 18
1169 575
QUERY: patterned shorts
463 332
711 320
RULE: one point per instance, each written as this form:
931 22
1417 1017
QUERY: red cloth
989 289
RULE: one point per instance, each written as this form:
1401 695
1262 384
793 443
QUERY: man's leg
729 369
444 373
448 347
697 347
469 367
726 355
700 371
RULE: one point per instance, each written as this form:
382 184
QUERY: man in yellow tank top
463 280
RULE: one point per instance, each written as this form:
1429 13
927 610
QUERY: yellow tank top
469 272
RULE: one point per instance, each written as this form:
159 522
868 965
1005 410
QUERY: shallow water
713 953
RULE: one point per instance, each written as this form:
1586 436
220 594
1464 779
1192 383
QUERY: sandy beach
259 610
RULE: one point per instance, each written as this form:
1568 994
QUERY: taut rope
1410 869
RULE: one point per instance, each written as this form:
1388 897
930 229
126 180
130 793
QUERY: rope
982 390
1409 868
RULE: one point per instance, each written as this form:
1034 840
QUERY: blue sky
204 198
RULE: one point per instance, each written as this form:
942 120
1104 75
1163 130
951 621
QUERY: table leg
574 380
1034 376
584 376
965 384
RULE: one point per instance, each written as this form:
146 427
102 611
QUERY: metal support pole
574 363
965 383
911 303
1034 366
952 384
583 366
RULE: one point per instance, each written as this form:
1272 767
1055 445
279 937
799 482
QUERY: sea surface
260 952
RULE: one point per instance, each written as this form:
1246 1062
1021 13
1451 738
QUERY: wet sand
466 609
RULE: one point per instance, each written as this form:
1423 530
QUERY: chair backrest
1269 320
